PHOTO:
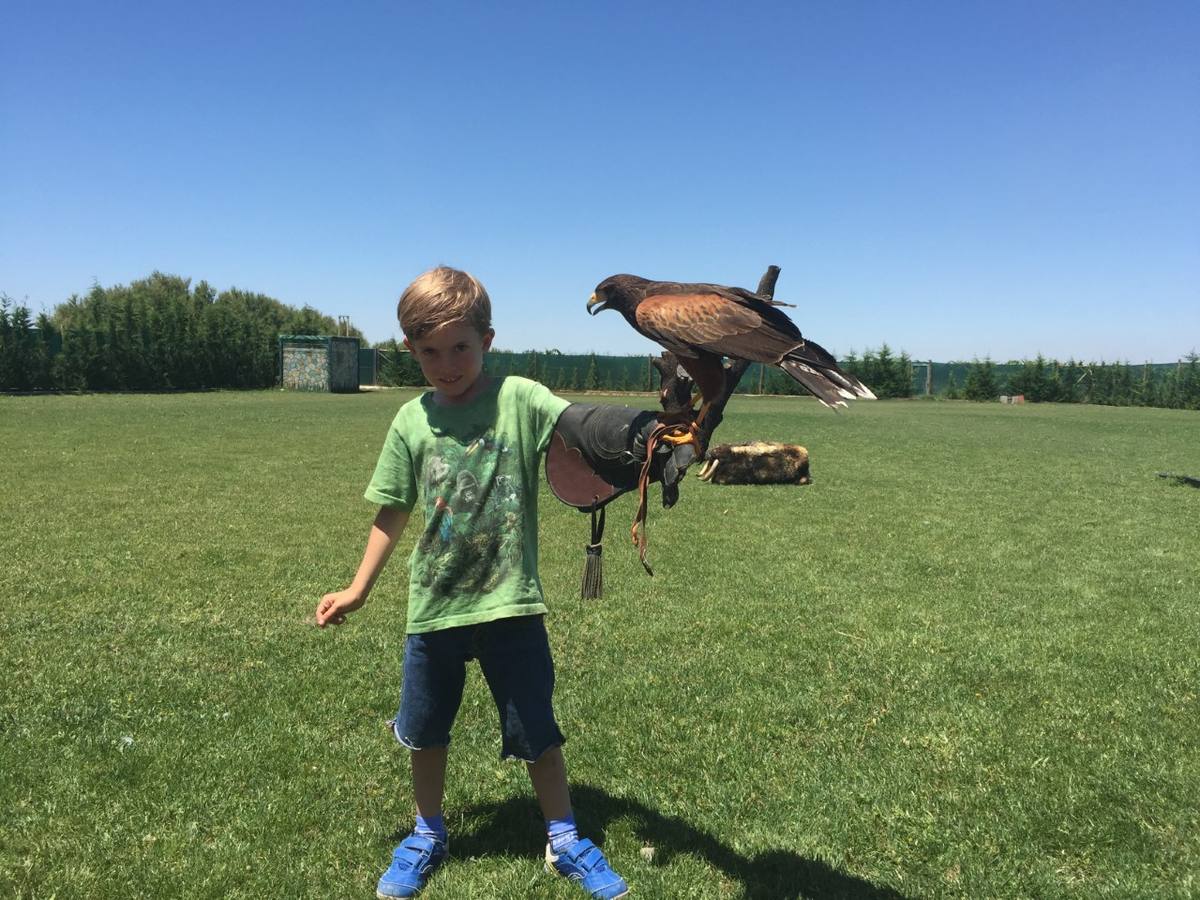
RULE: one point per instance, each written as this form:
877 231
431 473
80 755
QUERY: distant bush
981 382
156 333
1043 380
398 367
884 373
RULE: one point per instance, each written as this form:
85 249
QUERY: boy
468 451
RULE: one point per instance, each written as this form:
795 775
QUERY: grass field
962 663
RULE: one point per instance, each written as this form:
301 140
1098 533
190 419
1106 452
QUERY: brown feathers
705 323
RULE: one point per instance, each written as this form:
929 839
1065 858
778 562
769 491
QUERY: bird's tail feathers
831 386
848 382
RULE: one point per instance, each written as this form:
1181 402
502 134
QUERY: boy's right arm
385 533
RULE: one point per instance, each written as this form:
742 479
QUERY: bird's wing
759 298
706 321
695 321
720 323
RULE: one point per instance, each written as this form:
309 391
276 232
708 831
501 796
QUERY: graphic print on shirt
473 516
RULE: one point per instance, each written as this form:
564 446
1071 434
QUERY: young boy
468 453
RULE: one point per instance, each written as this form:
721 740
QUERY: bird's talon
678 440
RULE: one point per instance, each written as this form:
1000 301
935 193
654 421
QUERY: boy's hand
333 607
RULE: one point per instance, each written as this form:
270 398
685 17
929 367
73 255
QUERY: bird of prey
702 323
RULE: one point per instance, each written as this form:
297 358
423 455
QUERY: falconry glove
598 453
612 441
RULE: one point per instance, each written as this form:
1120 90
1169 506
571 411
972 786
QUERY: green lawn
962 663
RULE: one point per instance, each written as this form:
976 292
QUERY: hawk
703 323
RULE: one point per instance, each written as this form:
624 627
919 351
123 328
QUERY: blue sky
957 179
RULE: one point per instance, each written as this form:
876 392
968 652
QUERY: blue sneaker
583 862
412 864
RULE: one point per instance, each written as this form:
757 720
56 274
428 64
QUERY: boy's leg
429 780
549 776
566 853
434 674
515 657
429 786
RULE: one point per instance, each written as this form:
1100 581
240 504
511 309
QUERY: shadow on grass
514 828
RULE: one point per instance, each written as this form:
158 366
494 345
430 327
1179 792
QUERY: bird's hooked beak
594 306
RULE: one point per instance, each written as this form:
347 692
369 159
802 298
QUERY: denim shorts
514 655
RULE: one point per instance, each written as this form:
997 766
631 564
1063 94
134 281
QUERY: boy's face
451 359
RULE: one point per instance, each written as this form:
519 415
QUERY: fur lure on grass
756 462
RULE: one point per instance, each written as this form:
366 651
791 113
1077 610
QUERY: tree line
158 333
558 371
1042 380
163 333
887 374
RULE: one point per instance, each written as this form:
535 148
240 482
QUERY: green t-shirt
473 470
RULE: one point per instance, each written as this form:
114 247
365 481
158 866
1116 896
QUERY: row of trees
154 334
163 333
555 370
1113 384
26 348
888 375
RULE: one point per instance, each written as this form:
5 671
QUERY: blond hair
440 296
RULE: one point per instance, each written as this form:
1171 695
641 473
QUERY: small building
318 363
